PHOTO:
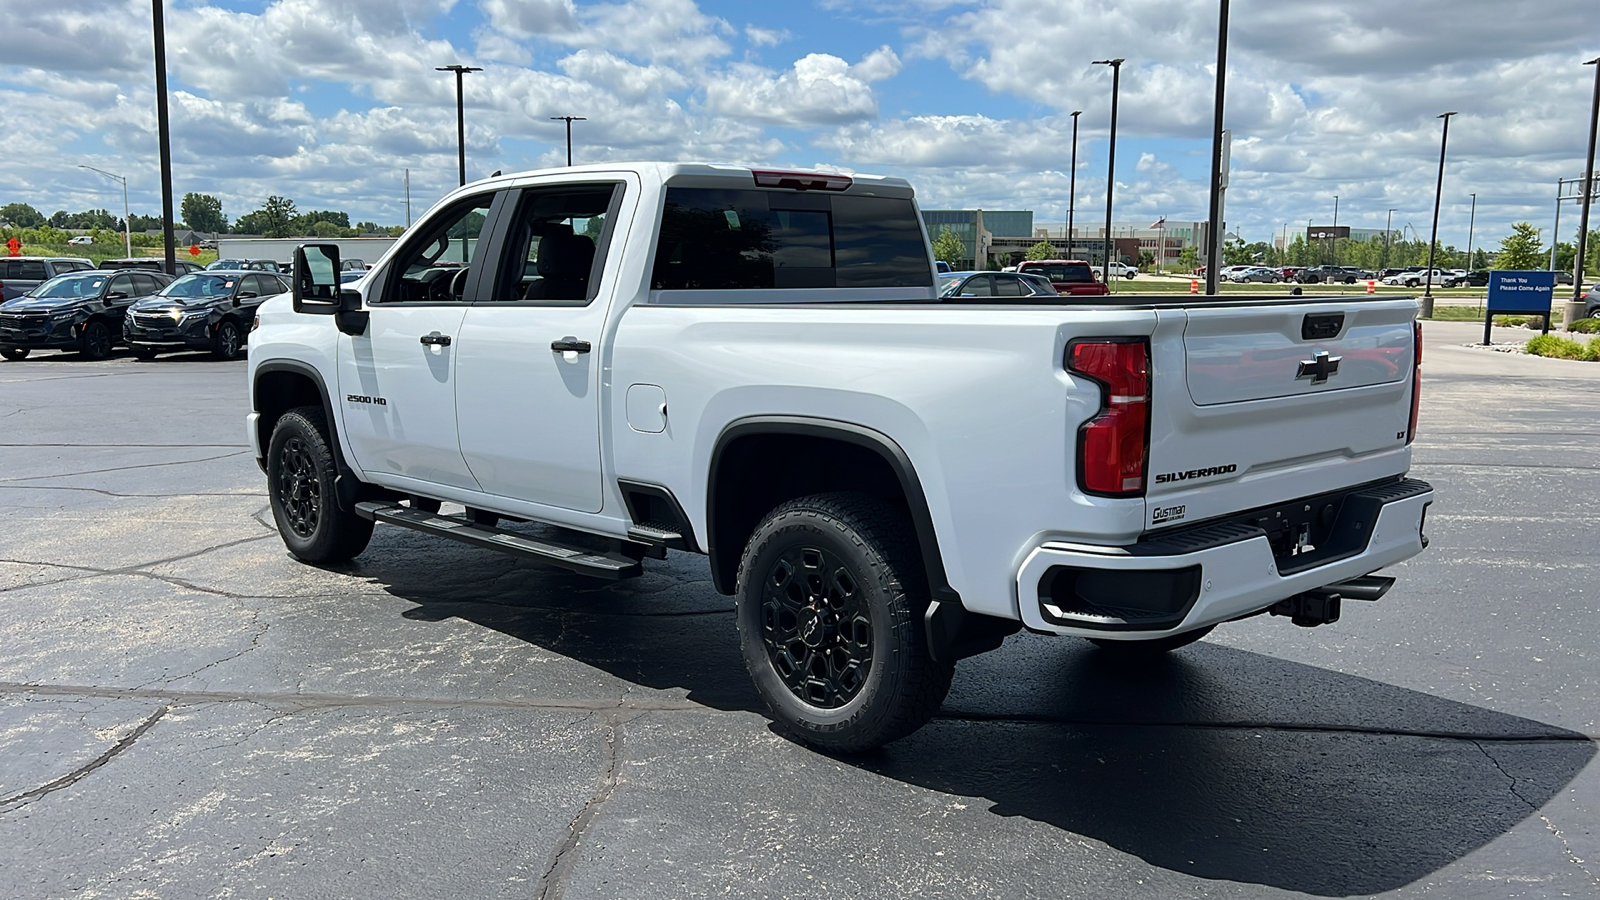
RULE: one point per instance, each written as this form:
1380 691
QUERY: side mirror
315 285
117 295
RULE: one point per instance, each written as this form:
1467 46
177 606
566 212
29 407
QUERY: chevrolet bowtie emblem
1320 367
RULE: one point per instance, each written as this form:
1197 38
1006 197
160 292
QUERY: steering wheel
447 285
458 284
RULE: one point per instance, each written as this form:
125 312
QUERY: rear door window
732 239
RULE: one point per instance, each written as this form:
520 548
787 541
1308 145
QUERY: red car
1069 276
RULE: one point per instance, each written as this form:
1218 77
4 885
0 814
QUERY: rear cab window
720 241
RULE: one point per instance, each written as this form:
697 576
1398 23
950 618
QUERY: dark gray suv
21 274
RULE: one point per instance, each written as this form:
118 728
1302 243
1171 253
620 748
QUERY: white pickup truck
755 365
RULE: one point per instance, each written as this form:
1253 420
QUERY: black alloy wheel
829 606
227 341
815 625
95 341
14 353
301 474
299 487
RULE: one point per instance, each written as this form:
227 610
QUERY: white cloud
819 89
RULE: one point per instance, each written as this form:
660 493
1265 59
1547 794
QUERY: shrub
1585 326
1555 347
1591 352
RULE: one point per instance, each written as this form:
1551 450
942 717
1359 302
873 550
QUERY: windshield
197 285
227 264
71 287
948 283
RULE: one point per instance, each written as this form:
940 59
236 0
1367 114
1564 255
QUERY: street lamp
1214 214
461 117
569 120
1111 159
1072 180
1472 220
127 223
1335 229
1588 194
1433 241
164 133
1388 236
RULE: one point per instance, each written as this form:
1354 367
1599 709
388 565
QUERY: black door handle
570 345
436 339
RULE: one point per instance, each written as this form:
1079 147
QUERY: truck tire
95 341
300 476
14 353
1149 649
829 607
226 342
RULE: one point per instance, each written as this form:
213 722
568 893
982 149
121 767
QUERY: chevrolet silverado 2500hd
755 365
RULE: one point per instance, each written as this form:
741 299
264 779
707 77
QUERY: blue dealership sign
1521 292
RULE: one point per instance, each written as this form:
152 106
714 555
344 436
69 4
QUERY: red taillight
802 181
1416 380
1113 447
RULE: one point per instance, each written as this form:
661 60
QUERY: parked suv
1479 278
79 311
1067 276
21 274
209 310
1327 275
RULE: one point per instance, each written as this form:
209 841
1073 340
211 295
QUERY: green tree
21 215
1041 250
338 218
1189 258
1480 259
275 219
203 212
1521 249
947 247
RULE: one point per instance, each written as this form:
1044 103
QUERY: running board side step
573 559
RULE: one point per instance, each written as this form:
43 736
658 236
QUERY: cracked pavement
187 712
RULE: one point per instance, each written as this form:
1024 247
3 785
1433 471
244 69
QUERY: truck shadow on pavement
1214 762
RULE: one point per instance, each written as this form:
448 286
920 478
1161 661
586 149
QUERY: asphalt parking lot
187 712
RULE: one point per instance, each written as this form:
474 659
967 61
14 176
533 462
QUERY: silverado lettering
1165 477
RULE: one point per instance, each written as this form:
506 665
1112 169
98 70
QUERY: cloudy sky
327 102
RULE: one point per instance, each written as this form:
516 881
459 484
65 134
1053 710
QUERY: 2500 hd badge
1166 477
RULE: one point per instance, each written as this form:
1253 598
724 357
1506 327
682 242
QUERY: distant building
978 230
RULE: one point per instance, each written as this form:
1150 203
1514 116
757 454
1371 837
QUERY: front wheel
300 484
14 353
95 342
1133 650
829 606
227 341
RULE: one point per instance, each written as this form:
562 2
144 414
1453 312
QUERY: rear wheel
95 341
226 342
1149 649
830 600
300 484
14 353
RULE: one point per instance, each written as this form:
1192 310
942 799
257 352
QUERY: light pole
1072 180
1214 212
1111 160
1588 193
1433 240
461 116
127 223
569 120
165 135
1388 236
1335 230
1472 220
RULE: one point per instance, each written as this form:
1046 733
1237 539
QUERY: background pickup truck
754 365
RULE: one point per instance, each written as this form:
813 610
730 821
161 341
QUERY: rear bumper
1208 575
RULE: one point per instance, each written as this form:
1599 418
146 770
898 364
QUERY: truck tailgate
1254 405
